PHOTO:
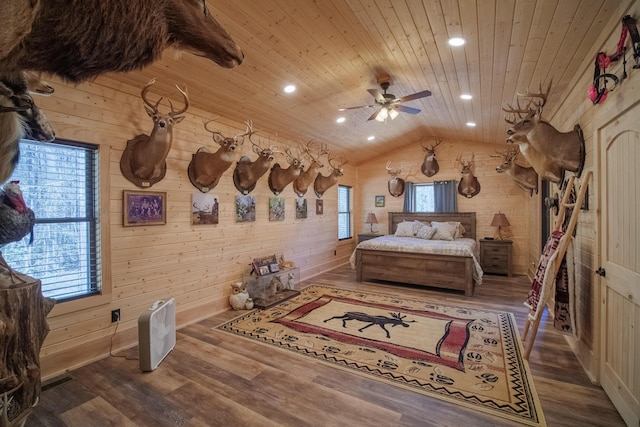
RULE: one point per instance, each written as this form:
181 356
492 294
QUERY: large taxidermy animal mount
564 148
206 168
430 165
323 183
395 185
280 177
525 178
546 167
247 173
143 161
20 118
468 185
307 176
78 40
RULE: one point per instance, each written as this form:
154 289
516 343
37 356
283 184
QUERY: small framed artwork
245 208
274 267
264 270
319 207
301 208
204 208
276 209
144 208
379 201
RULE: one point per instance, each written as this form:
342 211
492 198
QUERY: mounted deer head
323 183
565 148
279 178
430 165
143 160
525 178
247 173
206 168
468 185
395 184
306 177
545 166
42 35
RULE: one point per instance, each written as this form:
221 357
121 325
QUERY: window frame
349 211
100 234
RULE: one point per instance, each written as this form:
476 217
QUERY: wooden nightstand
367 236
496 256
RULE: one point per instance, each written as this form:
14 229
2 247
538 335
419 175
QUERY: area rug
471 357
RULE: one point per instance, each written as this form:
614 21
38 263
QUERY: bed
372 260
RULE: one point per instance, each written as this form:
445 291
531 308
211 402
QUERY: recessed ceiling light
471 124
371 138
466 96
456 41
289 88
340 120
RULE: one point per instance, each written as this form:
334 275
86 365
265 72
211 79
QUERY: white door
620 234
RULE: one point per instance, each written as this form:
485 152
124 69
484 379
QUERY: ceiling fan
388 104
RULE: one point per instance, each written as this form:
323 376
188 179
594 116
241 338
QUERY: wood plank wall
193 264
576 108
498 191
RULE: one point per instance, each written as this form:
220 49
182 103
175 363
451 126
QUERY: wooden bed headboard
467 219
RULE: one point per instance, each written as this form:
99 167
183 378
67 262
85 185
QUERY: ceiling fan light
382 115
393 114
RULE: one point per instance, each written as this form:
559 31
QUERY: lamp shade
371 219
500 220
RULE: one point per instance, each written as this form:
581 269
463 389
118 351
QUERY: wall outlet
115 315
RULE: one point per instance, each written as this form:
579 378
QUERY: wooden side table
367 236
496 256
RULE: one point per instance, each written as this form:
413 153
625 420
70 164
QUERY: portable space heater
156 334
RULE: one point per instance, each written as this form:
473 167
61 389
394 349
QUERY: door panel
620 234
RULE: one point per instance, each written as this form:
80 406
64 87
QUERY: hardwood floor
213 378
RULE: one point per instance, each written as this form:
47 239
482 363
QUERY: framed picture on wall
144 208
319 207
379 201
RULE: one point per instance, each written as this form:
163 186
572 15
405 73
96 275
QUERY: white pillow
460 230
406 229
444 230
425 232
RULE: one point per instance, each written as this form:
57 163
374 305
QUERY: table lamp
500 220
371 219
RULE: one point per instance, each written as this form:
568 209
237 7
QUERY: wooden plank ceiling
334 50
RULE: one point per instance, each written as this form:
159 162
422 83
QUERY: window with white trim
424 197
344 212
59 182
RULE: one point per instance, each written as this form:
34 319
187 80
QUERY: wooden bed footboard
434 270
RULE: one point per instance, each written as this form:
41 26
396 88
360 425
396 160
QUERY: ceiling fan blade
353 108
377 95
416 96
373 116
406 109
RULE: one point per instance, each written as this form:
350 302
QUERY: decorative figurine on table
239 298
291 282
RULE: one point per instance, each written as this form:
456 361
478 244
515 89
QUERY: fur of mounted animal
143 160
247 172
395 185
78 40
308 175
323 183
469 185
430 165
525 178
20 118
565 148
206 168
280 177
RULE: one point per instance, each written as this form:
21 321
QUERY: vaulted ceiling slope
334 50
